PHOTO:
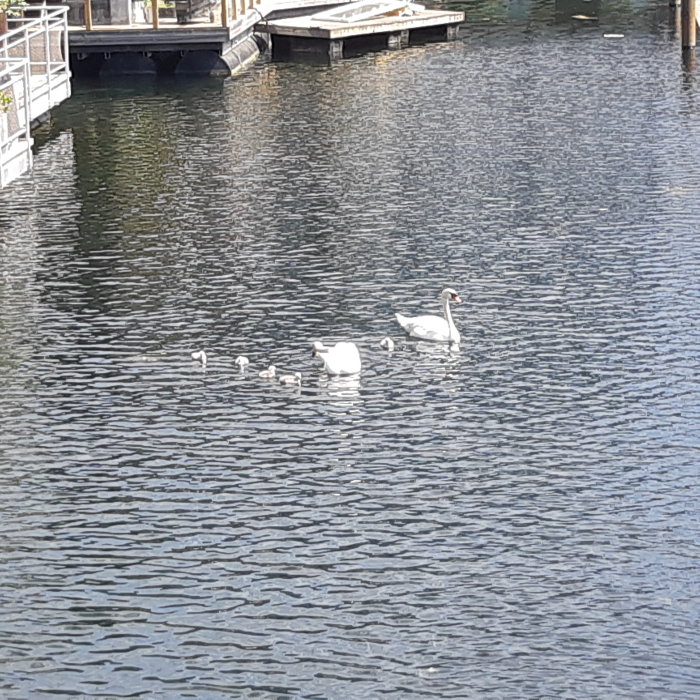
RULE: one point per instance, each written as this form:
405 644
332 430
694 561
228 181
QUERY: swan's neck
448 317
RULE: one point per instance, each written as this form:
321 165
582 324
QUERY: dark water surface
518 519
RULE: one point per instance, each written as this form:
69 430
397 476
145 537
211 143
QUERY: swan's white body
291 379
431 327
242 361
387 343
339 360
201 356
268 373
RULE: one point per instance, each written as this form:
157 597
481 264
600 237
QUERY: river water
515 519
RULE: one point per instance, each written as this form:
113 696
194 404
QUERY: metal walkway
34 78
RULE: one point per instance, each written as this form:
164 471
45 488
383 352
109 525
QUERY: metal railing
230 10
42 40
15 119
34 77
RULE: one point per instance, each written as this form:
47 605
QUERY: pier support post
397 40
688 22
88 14
675 18
335 49
155 20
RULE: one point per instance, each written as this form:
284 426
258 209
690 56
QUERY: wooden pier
219 44
168 50
317 36
226 41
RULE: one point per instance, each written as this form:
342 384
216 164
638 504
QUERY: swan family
343 358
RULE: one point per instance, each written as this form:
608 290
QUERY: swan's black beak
456 299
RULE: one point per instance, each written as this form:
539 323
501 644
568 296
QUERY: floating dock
236 32
332 35
208 50
222 43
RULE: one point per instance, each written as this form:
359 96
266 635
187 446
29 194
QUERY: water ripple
513 519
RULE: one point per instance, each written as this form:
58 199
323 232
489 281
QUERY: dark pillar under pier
397 40
445 32
128 63
86 65
284 47
335 49
452 32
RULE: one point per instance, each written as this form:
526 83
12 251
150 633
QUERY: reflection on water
515 517
346 390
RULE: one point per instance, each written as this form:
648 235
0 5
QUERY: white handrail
15 142
35 74
51 19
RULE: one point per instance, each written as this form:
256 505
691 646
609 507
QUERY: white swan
268 373
201 356
387 344
341 359
430 327
242 361
291 379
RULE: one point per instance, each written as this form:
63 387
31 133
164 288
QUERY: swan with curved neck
340 359
431 327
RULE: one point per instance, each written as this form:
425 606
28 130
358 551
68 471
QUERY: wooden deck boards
308 27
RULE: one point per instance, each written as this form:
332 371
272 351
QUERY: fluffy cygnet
291 379
201 356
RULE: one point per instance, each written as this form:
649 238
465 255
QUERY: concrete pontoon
352 28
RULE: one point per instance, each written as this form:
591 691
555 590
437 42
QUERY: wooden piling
335 50
397 40
154 14
688 24
88 14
